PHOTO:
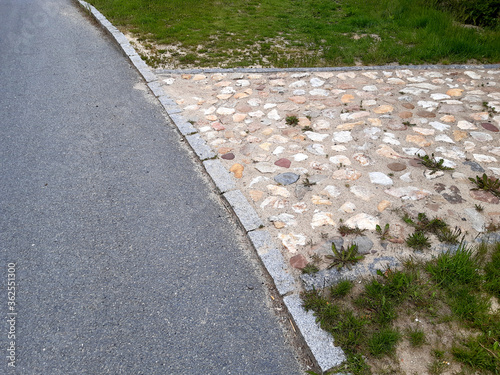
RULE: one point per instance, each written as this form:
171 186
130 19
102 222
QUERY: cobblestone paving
314 151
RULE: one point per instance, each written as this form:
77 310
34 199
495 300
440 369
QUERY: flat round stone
285 163
397 126
396 167
426 114
484 196
405 114
287 178
228 156
298 261
408 105
415 163
490 127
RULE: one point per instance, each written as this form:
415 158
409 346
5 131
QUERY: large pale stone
418 140
408 193
331 191
388 152
348 208
322 218
363 221
380 178
362 192
278 190
292 240
346 174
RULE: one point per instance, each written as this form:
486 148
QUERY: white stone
444 138
321 125
228 90
426 86
300 157
362 192
331 191
292 240
319 92
395 81
406 177
287 219
266 167
466 125
371 132
273 115
414 151
258 179
256 114
370 88
390 139
278 190
275 202
427 104
316 137
413 91
469 146
225 111
408 193
342 137
316 149
347 75
209 111
363 221
316 82
476 219
354 116
495 151
320 219
169 81
496 171
298 84
340 159
278 150
242 83
338 148
254 102
299 207
472 75
439 126
481 137
440 96
380 178
269 105
484 158
431 175
348 208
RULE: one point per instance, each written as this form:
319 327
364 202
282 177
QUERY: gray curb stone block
156 88
321 343
221 176
273 260
242 208
200 147
184 127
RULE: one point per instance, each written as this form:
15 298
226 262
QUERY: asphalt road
125 260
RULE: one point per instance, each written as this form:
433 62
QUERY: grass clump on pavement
442 308
290 33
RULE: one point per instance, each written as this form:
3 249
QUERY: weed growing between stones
345 230
292 120
344 257
486 183
430 162
418 241
451 290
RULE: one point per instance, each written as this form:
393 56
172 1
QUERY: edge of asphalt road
321 345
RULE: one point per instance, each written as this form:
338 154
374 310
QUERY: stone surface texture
353 156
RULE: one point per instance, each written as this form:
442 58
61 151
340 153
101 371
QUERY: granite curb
319 342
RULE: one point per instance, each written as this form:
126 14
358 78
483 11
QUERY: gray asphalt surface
126 262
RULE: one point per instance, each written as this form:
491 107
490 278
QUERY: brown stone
243 108
408 105
285 163
490 127
484 196
397 126
298 261
256 195
458 135
228 156
448 118
415 163
224 150
405 114
396 167
418 140
454 92
426 114
347 98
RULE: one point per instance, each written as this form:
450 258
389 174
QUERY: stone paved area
352 157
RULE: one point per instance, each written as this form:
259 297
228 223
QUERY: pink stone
426 114
484 196
218 126
490 127
285 163
298 261
229 156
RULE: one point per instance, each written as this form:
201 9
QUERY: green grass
293 33
453 289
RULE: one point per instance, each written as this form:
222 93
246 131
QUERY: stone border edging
326 69
326 354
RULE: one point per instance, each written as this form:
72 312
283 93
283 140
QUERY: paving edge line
326 354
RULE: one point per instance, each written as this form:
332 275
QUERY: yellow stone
240 95
224 150
267 131
211 117
224 96
256 195
279 224
304 121
383 205
458 135
347 98
316 199
448 118
454 92
375 121
239 117
199 77
418 140
186 76
384 109
388 152
265 146
248 91
350 125
237 170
